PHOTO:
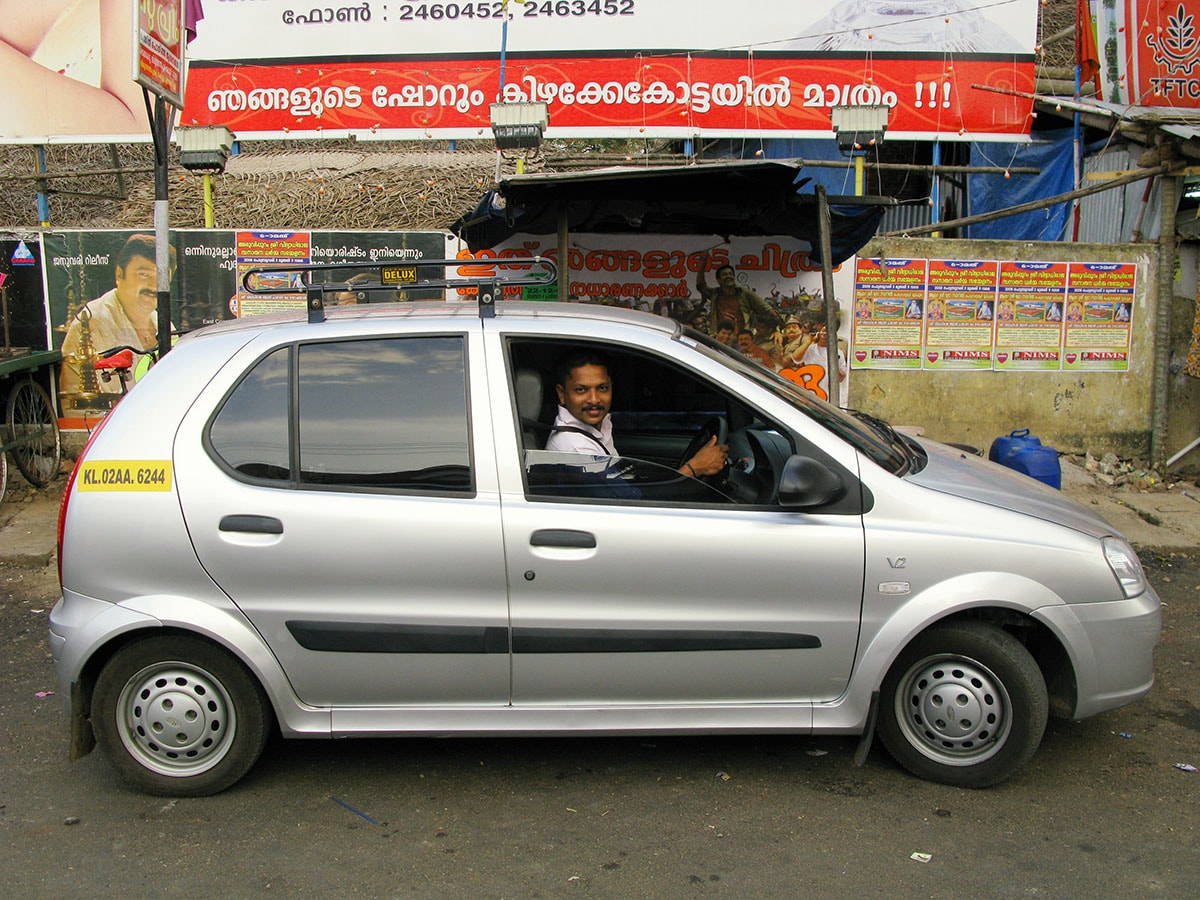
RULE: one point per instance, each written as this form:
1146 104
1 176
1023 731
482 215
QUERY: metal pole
160 130
43 199
564 267
936 193
208 200
831 338
503 45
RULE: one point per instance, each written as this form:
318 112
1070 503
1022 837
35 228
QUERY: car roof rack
362 277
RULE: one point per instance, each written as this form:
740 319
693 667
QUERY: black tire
964 704
33 425
179 717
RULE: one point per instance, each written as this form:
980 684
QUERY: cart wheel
3 473
33 432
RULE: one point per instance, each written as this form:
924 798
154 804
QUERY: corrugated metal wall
1112 217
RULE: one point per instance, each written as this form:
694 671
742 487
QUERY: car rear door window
386 413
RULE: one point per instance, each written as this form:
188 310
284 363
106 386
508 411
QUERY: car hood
951 471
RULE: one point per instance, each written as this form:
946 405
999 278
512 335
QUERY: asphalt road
1101 811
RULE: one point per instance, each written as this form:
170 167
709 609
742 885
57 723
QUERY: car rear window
386 413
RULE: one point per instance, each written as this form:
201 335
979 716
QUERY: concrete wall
1071 411
1183 422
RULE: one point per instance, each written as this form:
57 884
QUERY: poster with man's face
102 292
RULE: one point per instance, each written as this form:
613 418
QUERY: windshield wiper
890 436
877 424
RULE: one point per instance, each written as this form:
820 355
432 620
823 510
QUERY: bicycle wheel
33 432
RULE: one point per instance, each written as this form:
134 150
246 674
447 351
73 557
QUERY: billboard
950 69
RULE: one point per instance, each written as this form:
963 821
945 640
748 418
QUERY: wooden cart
30 432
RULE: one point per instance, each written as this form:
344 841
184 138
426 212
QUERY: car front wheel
179 717
965 704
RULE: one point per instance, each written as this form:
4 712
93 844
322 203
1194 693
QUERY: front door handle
563 537
251 524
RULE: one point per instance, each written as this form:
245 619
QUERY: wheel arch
1043 645
1008 601
149 618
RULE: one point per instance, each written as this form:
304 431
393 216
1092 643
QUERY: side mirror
806 483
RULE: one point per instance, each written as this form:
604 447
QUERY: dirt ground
1103 808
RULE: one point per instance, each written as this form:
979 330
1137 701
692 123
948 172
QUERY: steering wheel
712 427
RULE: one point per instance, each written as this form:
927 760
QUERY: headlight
1125 565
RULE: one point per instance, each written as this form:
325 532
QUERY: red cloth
1086 52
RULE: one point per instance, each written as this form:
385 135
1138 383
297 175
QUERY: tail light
66 497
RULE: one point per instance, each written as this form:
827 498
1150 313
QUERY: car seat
529 408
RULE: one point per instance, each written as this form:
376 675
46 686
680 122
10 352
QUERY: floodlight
519 126
858 127
204 148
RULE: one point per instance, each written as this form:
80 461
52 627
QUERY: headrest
529 393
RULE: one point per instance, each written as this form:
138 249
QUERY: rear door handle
251 524
563 537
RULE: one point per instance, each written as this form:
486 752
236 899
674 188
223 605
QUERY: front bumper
1111 645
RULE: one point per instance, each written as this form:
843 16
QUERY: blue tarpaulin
1052 152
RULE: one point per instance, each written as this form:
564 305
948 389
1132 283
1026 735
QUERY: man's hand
709 461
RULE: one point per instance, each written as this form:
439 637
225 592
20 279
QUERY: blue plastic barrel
1004 447
1024 453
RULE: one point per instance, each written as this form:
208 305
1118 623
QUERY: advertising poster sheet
267 248
960 314
1029 315
1006 316
1099 321
21 289
889 300
621 68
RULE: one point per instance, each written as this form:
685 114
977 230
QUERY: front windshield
870 435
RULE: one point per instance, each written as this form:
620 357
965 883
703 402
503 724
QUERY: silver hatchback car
355 528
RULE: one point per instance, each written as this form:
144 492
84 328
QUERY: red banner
773 96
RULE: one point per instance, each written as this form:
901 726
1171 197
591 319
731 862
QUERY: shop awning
726 198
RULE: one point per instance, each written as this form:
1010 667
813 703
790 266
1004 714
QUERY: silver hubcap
954 710
176 719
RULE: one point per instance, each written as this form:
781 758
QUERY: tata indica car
352 528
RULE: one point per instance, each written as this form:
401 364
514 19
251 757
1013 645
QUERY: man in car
583 424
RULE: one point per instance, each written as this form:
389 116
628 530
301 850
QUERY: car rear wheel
965 704
179 717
